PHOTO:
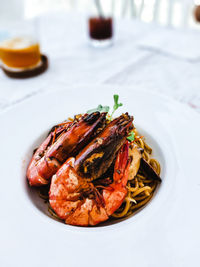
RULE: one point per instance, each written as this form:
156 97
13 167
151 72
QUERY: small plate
164 233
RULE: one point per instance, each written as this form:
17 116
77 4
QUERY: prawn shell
67 199
48 158
95 159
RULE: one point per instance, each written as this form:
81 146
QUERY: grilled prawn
78 200
64 141
99 154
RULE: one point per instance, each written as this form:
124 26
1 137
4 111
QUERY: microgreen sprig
99 108
131 137
116 105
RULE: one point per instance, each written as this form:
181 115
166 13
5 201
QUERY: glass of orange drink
20 53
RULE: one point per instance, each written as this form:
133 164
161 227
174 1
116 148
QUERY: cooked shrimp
63 142
80 202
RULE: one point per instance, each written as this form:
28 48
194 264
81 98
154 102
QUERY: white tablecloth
143 56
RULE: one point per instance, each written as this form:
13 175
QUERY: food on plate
94 168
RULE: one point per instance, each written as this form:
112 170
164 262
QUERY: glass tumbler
19 46
100 23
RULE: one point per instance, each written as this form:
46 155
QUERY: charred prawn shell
63 142
98 155
70 144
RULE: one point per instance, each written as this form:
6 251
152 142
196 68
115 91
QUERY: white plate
164 233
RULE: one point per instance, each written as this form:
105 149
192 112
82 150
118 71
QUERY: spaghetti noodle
141 188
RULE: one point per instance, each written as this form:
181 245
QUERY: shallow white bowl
164 233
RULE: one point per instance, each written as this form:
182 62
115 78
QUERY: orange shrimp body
80 202
64 142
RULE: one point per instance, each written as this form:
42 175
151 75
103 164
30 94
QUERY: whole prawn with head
64 140
75 195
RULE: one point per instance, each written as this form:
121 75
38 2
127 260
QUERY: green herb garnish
131 137
100 108
116 105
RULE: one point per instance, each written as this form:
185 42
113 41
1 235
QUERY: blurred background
154 45
176 13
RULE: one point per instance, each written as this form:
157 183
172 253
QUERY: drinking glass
100 23
19 46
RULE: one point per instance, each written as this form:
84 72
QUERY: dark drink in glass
101 30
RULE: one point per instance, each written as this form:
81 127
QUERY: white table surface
143 56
